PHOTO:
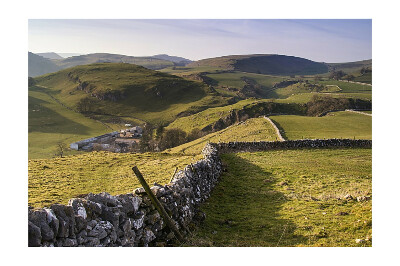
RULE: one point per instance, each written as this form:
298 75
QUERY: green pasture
59 179
333 125
254 129
290 198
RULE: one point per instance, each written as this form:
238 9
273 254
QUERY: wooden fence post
158 205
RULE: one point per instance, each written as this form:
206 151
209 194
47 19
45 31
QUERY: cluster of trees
86 105
322 104
159 138
337 74
365 70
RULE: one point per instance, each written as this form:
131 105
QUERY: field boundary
131 219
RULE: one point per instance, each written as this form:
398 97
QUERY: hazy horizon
331 41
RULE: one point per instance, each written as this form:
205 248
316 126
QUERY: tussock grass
290 198
59 179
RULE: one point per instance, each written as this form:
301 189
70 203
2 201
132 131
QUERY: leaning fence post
158 205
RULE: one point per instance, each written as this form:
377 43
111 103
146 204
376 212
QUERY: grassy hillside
366 78
290 198
254 129
38 65
50 123
351 67
265 64
210 116
57 180
126 90
333 125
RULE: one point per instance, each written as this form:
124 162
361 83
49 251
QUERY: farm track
278 132
355 82
358 112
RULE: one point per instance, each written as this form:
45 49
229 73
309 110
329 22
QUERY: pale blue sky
318 40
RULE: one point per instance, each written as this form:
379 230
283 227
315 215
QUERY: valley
286 197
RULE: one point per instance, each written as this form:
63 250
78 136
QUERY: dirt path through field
278 132
358 112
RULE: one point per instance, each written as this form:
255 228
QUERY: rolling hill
179 61
127 90
50 55
265 64
148 62
38 65
351 67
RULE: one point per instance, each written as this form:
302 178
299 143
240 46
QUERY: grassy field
348 87
306 97
50 123
334 125
254 129
366 78
59 179
299 88
234 79
290 198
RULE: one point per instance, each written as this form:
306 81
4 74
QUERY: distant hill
50 55
351 67
126 90
148 62
38 65
265 64
65 55
179 61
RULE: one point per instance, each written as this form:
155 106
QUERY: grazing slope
50 123
290 198
210 116
254 129
38 65
126 90
59 179
265 64
351 67
334 125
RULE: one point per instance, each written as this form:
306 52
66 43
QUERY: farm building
114 141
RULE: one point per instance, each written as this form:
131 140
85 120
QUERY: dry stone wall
131 219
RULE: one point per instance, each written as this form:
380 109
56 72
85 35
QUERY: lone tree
61 148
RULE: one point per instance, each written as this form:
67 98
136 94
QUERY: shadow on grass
46 120
243 210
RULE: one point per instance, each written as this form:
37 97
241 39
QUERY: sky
324 40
